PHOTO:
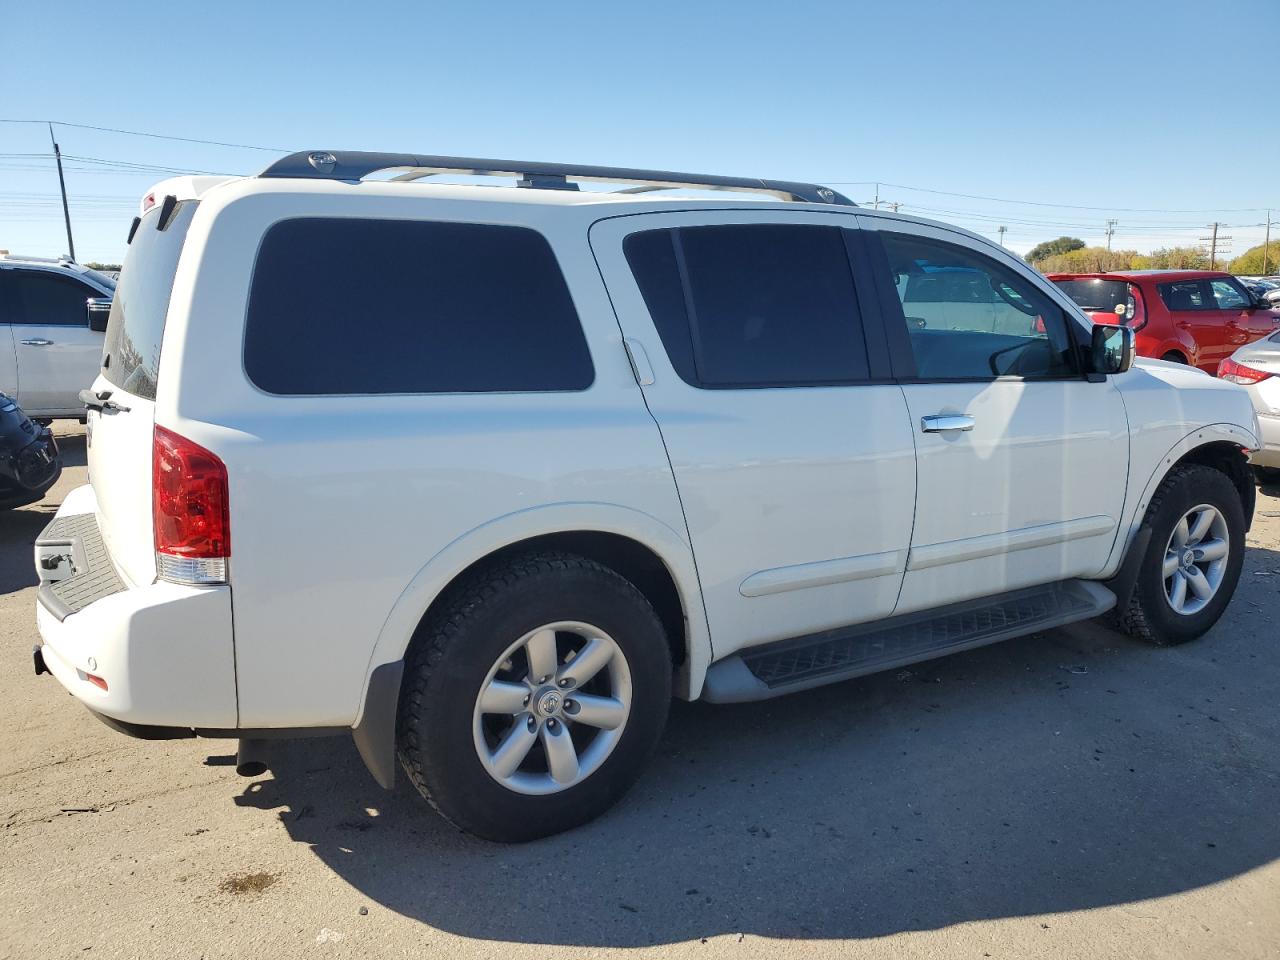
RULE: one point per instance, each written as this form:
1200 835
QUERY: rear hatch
1106 299
120 435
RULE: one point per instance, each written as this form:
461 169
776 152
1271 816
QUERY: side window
752 305
351 306
1227 296
969 317
1185 295
46 298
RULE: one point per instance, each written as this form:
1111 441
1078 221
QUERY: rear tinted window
351 306
1186 295
752 305
1097 295
131 352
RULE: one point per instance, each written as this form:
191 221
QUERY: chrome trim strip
822 573
989 545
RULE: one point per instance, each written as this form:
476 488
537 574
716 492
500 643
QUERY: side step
803 662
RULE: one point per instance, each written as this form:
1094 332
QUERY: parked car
29 460
545 458
1187 316
1256 366
52 317
1266 290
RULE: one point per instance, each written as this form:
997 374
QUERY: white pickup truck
53 314
491 474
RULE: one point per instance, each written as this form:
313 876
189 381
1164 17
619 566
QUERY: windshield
1095 295
131 353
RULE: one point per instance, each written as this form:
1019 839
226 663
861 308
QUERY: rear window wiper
101 401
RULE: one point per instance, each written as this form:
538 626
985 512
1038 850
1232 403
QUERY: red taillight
148 202
1228 369
1136 310
190 511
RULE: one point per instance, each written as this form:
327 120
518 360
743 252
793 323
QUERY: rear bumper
163 650
1269 454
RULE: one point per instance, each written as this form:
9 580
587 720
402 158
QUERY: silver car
1256 366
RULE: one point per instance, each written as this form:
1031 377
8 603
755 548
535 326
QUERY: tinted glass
970 317
1227 296
752 305
131 352
1098 296
40 297
1186 295
348 306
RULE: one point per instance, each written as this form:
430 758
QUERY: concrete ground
1074 794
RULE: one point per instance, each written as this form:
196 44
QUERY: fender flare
1201 436
374 728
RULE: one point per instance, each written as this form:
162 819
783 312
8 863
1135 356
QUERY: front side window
356 306
41 297
752 305
1227 296
1186 295
970 317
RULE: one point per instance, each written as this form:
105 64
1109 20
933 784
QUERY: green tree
94 265
1051 248
1250 262
1178 258
1088 260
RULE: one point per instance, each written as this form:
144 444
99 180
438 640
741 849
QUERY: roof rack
354 165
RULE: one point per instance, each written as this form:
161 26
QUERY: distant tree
1250 262
94 265
1178 258
1088 260
1052 248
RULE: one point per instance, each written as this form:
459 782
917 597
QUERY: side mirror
98 309
1112 349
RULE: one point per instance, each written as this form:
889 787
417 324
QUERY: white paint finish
164 649
774 478
338 503
821 574
119 453
956 551
51 374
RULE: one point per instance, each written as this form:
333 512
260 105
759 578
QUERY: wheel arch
656 558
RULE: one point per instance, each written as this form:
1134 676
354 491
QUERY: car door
1245 322
1021 460
57 354
8 356
1192 308
795 467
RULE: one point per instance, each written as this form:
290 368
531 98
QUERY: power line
154 136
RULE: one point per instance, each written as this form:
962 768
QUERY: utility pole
876 205
1213 240
1111 229
62 184
1266 244
1000 230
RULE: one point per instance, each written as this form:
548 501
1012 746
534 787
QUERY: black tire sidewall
452 773
1194 487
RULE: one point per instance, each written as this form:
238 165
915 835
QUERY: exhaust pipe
251 758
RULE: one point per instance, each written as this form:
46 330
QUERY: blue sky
1117 106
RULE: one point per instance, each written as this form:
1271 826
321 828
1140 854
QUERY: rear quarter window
359 306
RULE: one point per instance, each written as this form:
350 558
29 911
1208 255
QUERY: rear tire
1174 357
584 741
1188 575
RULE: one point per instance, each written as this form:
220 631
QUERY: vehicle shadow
1065 771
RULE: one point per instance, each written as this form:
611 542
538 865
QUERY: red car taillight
190 513
1228 369
1137 311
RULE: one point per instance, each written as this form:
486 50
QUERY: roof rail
353 165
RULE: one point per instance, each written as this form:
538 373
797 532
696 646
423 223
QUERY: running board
791 665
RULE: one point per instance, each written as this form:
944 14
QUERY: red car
1190 316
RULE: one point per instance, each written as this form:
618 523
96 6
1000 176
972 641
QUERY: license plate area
56 560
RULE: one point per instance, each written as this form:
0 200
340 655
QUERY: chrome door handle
945 422
38 342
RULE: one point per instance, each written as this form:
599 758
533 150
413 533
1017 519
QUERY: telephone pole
62 184
1213 240
1111 229
1000 230
1266 244
876 205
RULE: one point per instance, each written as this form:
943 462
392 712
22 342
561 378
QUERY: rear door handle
38 342
946 422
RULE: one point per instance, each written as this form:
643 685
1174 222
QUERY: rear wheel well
626 557
1227 457
1175 356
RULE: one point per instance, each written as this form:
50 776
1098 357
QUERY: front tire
1193 559
534 698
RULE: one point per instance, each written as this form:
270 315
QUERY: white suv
52 317
485 475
